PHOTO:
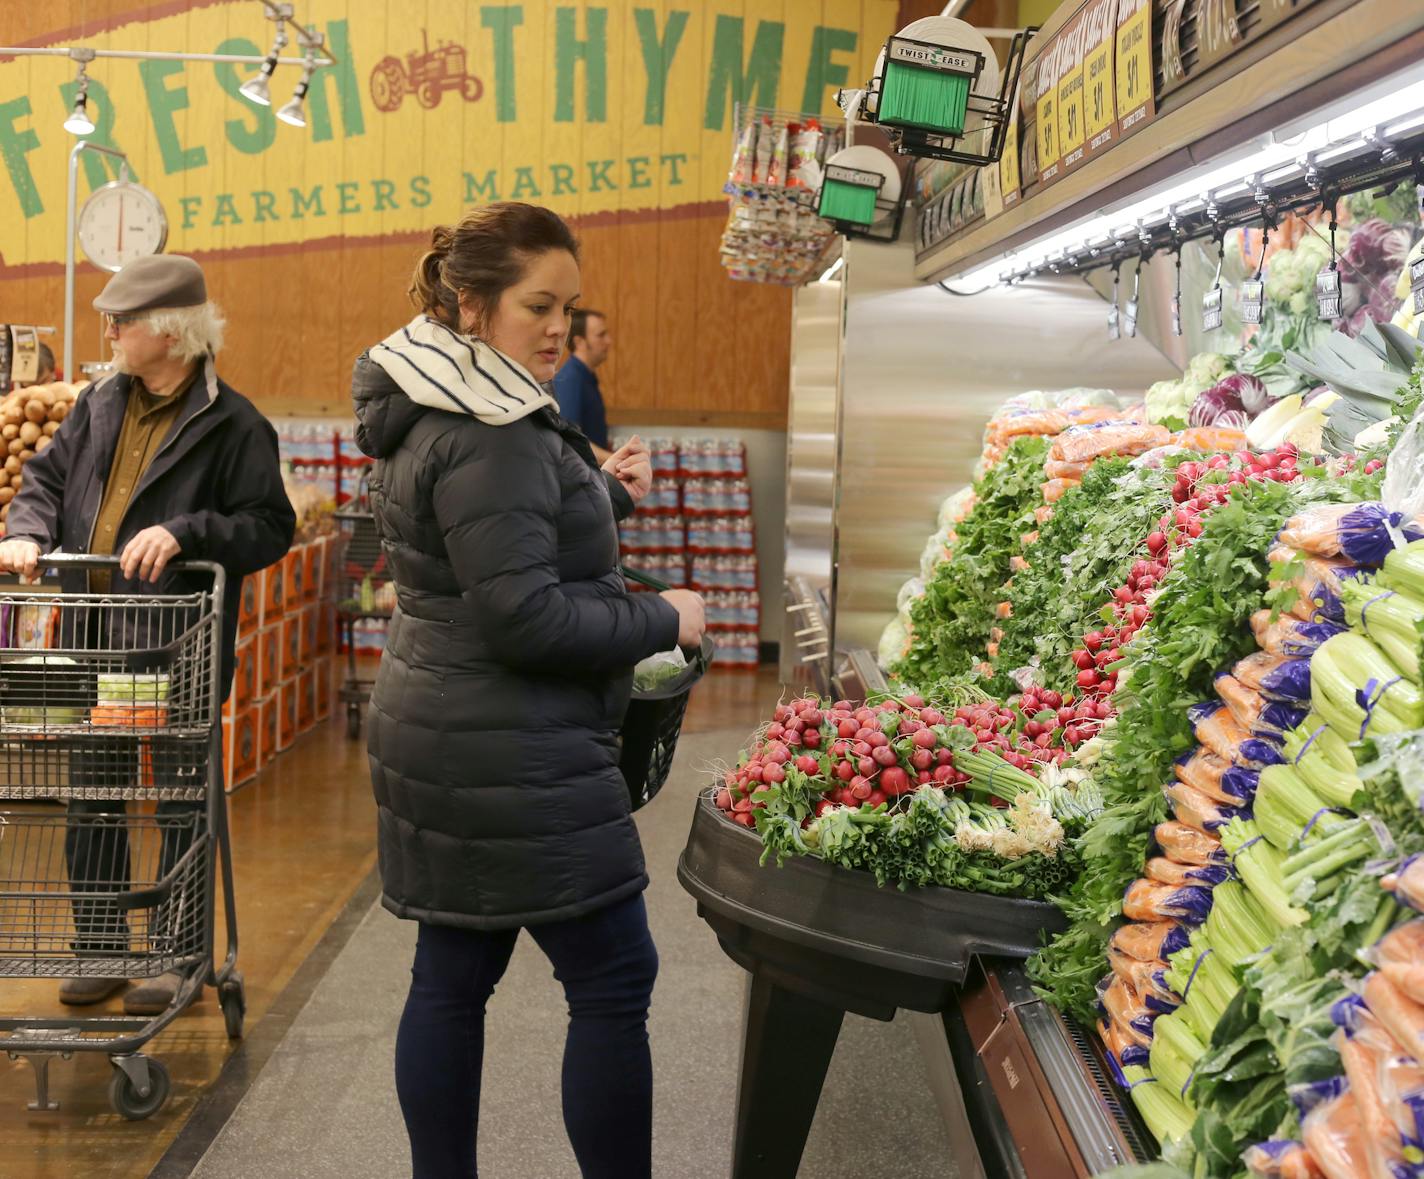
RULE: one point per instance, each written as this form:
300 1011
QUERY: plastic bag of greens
1403 490
657 671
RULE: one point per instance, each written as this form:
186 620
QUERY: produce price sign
1100 95
1072 120
1050 155
1132 66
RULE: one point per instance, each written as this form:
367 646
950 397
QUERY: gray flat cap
146 284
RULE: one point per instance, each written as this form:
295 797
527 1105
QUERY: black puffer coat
507 669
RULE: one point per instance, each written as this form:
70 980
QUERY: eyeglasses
119 321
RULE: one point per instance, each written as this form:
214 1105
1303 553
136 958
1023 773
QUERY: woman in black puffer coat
505 678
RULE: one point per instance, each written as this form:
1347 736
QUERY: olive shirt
148 419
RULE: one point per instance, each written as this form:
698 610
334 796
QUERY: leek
1261 868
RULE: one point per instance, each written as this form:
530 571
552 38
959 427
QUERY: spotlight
292 113
79 122
256 89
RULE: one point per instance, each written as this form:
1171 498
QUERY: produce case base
819 941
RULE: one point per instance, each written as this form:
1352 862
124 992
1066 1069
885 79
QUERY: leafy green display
953 620
1082 554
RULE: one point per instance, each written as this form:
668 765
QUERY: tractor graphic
427 75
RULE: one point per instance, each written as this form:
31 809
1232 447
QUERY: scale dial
120 222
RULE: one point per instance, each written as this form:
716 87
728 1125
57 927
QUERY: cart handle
94 561
646 580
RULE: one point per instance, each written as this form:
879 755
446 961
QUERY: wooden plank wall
690 345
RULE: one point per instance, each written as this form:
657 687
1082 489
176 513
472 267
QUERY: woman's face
531 323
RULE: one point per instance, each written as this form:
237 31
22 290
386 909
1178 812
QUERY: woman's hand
632 465
691 617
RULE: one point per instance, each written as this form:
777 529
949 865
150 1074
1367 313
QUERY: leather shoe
80 992
153 996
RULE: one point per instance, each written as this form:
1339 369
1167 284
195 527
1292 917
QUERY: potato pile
28 421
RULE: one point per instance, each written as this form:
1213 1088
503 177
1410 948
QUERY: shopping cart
365 596
651 727
111 704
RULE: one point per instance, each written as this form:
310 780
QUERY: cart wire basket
653 722
111 704
363 596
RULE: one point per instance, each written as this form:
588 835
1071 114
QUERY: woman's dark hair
483 255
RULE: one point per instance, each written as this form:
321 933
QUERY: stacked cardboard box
283 685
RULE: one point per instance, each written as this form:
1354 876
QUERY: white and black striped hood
437 367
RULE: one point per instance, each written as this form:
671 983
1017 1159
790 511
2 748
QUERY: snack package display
765 144
744 155
804 169
780 150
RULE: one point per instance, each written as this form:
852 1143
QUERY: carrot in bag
1054 469
1055 489
1318 584
1264 718
1290 636
1216 777
1187 845
1360 532
1164 871
1399 956
1401 1087
1149 940
1407 883
1123 1050
1363 1043
1276 677
1146 900
1126 1009
1148 981
1397 1011
1080 444
1224 735
1280 1158
1331 1132
1195 809
1210 439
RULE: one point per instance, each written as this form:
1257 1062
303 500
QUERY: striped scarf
438 367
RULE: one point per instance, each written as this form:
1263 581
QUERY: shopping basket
111 704
650 730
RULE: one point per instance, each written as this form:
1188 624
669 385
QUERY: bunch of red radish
853 756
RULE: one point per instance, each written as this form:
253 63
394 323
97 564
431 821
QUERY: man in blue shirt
576 383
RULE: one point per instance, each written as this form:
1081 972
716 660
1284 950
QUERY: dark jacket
507 668
215 484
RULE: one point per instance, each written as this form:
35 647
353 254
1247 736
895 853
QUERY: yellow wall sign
615 108
1049 149
1133 65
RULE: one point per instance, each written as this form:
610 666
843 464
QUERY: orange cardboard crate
291 646
311 571
294 573
244 680
267 750
239 749
287 728
249 614
306 641
274 592
306 700
269 660
325 628
325 673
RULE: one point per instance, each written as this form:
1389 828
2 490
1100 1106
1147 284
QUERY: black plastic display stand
820 941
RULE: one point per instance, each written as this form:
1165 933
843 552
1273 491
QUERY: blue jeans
606 962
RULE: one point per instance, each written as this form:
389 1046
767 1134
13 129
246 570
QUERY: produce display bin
820 941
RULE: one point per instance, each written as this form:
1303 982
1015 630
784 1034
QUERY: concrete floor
324 1106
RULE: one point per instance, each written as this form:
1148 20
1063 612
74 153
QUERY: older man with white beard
159 463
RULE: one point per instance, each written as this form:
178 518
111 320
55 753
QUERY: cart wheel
126 1100
233 999
353 721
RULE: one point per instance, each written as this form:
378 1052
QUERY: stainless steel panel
921 371
810 480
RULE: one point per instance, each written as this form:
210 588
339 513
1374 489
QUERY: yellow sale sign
592 109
